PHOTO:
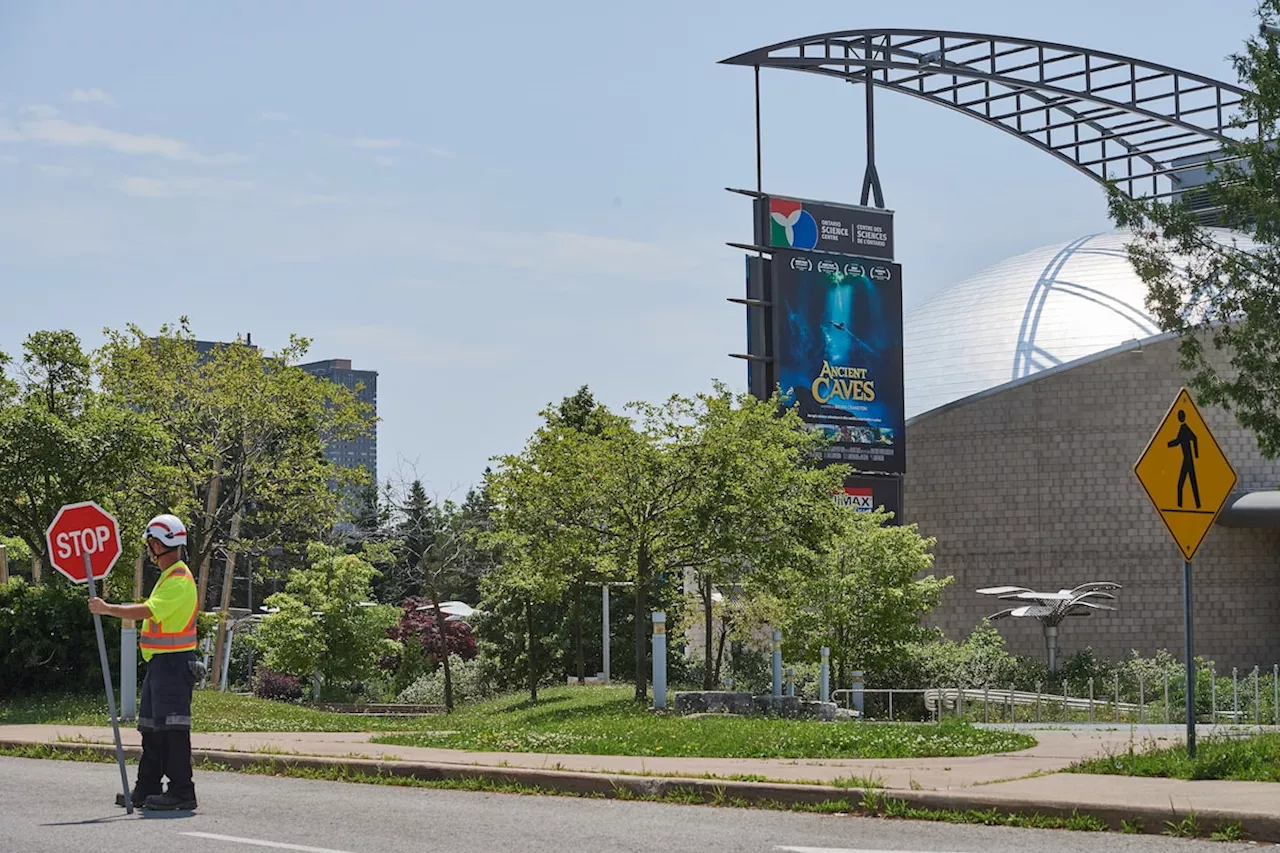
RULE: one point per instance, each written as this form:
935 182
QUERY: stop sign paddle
83 540
84 543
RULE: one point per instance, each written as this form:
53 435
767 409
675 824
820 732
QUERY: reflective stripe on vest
155 638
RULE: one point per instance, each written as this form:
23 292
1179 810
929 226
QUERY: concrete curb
1258 826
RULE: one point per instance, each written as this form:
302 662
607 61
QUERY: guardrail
1158 700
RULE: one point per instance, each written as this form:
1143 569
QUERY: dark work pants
164 718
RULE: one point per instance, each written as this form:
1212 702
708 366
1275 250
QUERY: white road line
259 843
839 850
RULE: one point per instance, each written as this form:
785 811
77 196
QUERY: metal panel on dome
1034 312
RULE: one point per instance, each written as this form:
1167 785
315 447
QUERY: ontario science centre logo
791 225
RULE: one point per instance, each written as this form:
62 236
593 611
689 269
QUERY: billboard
837 351
819 226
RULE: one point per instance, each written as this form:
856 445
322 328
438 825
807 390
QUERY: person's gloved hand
197 668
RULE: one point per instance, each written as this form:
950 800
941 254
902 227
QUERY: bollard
1038 686
857 694
1013 716
824 676
1142 700
1166 698
1091 698
659 660
1257 700
128 672
1116 698
604 631
1235 695
791 681
986 703
777 663
1213 696
1064 700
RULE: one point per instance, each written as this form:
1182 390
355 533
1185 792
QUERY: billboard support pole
759 149
871 178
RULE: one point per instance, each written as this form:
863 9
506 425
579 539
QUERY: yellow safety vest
174 634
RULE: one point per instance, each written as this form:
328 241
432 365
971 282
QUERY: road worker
168 643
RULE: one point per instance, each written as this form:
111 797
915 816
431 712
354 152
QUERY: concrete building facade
1029 481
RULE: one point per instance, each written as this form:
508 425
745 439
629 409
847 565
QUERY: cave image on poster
838 327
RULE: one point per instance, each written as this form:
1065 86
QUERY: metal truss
1111 117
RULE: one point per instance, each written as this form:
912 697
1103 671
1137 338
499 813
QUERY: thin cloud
91 96
60 132
141 186
381 144
57 171
316 199
8 159
40 110
273 115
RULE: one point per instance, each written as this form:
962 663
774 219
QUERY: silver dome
1036 311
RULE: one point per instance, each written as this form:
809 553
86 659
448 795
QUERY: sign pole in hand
111 696
89 531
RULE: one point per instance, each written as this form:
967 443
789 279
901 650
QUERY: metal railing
1150 700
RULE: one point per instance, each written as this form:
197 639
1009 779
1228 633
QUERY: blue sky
490 203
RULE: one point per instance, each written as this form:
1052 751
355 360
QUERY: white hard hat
167 529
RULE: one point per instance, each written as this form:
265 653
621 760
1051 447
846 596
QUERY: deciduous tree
241 428
1220 292
62 441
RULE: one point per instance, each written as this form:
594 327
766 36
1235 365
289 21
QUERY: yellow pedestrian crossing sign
1185 474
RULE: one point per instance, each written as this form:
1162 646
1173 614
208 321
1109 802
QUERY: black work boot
170 803
139 799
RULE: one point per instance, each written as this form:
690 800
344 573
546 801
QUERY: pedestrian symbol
1185 474
1190 450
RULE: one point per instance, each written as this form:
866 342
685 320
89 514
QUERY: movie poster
838 351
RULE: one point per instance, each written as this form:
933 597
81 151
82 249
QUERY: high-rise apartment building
363 451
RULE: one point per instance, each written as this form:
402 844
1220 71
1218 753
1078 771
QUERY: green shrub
750 670
469 684
47 641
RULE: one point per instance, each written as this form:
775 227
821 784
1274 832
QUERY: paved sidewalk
1024 781
1055 750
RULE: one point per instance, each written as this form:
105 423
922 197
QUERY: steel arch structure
1111 117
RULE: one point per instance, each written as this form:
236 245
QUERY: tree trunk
228 583
577 636
724 635
444 642
206 532
642 620
448 681
708 675
533 664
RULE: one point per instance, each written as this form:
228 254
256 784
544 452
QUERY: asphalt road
67 807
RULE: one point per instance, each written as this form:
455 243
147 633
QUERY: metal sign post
1188 479
1191 660
106 681
88 531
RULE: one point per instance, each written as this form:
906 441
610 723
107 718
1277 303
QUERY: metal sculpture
1144 125
1051 608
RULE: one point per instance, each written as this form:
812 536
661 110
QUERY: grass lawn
585 720
211 712
605 721
1251 759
